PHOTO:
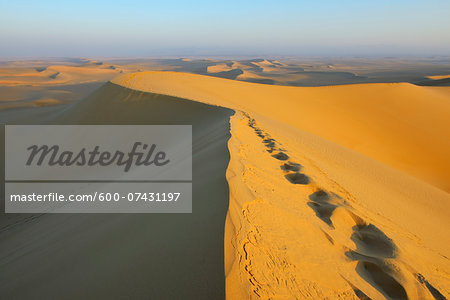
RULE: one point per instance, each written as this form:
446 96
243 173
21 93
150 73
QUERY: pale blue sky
245 27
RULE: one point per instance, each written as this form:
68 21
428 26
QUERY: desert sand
331 192
437 77
34 83
52 82
120 256
335 192
395 124
42 73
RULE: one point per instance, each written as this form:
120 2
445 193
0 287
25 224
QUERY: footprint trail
375 253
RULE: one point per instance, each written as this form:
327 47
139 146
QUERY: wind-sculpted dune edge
400 124
322 201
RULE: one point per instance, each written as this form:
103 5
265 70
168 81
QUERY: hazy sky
244 27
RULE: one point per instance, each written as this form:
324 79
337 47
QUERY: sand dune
266 66
437 77
288 72
317 179
312 209
119 256
337 192
52 75
219 68
393 123
246 75
31 83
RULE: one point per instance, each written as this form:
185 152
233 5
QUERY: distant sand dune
219 68
56 74
46 101
437 77
267 66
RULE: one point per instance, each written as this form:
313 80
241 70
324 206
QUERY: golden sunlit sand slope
322 201
402 125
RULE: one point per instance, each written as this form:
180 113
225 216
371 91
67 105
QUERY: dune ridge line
288 180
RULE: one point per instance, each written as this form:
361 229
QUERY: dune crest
392 123
322 204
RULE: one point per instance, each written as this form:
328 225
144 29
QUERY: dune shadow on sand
119 256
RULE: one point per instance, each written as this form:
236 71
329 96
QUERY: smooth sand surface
402 125
335 192
124 256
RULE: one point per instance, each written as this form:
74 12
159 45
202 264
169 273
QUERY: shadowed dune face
155 256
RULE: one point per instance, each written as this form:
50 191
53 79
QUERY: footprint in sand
297 178
294 177
372 248
290 167
323 211
376 271
269 143
321 206
381 280
372 241
436 294
281 156
372 245
260 133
